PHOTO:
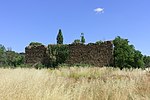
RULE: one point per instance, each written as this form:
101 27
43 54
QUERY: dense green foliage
57 54
14 59
2 55
76 41
146 61
35 44
99 42
60 37
125 55
10 58
138 60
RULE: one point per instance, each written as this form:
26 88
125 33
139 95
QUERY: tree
57 54
9 57
123 52
60 37
146 60
76 41
125 55
138 59
2 55
14 59
82 38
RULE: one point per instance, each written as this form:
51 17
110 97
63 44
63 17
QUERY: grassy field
74 84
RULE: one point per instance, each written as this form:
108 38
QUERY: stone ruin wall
35 54
97 55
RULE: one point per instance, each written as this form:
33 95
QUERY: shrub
76 41
35 44
38 66
99 42
57 54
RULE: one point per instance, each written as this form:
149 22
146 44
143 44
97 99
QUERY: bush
38 65
99 42
76 41
35 44
57 54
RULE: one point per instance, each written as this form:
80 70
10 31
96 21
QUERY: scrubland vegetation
74 83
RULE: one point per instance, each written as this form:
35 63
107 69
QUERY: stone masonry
35 54
93 54
97 55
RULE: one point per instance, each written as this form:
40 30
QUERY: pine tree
60 37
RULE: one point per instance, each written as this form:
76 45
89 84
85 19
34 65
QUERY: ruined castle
93 54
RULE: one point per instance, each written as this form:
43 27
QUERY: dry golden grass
74 84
